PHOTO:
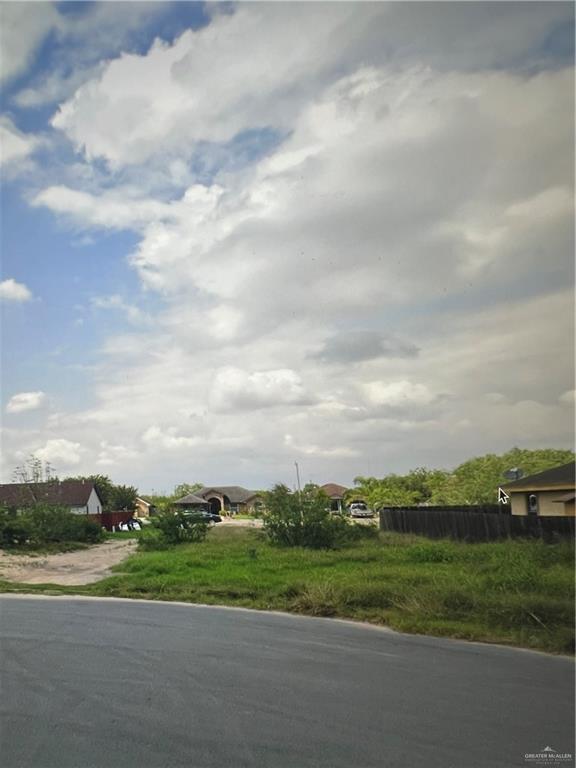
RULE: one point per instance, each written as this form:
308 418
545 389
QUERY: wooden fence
109 519
472 524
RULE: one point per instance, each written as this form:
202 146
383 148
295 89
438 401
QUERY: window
532 504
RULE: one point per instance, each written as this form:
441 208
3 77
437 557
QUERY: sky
239 236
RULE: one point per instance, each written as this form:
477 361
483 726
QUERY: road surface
129 684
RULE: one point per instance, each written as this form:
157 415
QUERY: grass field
515 592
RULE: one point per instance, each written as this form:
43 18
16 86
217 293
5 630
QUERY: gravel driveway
67 568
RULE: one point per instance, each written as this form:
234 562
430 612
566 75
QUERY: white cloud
568 397
167 439
22 28
60 450
398 393
14 145
25 401
10 290
235 389
116 302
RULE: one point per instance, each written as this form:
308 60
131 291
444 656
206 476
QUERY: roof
557 477
334 490
190 498
235 493
69 493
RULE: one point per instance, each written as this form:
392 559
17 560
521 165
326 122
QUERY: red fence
108 519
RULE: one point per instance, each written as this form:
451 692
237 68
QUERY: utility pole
299 491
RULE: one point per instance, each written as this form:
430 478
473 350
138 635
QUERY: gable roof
68 493
334 490
235 493
557 477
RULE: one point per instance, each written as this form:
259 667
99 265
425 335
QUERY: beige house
230 499
336 495
143 507
548 494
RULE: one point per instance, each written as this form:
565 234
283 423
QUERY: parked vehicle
360 509
203 514
130 525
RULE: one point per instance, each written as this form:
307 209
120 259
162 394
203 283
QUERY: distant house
230 499
549 494
336 495
143 507
79 496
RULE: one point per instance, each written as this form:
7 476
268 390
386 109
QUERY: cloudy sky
239 236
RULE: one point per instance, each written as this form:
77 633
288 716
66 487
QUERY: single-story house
549 494
143 507
80 496
230 499
336 495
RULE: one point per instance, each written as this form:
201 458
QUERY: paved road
122 684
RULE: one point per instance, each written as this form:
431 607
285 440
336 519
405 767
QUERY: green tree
303 519
124 497
185 488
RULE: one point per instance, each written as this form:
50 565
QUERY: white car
360 509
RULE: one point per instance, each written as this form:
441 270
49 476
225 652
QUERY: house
549 494
230 499
336 495
143 507
79 496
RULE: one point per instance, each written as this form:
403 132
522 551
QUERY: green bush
46 524
13 529
303 519
172 528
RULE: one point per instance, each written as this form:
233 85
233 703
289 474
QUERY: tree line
475 481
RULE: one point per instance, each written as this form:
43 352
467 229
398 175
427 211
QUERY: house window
532 504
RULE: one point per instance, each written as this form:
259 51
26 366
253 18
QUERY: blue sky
238 236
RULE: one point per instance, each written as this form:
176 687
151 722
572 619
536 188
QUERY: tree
34 470
185 488
123 497
302 519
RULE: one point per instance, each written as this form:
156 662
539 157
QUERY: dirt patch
84 566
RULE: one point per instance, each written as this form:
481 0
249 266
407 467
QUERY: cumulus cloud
23 27
398 393
235 389
10 290
25 401
60 450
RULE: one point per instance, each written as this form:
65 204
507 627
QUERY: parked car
360 509
204 514
130 525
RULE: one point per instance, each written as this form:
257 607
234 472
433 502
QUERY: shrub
46 524
176 528
13 529
303 519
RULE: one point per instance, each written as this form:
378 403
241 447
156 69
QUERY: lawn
514 592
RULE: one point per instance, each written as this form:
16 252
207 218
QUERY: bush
46 524
13 529
172 528
303 519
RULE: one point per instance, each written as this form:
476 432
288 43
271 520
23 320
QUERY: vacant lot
516 592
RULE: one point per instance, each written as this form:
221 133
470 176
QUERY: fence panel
472 523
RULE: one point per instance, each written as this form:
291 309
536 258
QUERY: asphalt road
118 684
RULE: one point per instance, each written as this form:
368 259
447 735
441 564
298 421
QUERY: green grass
512 592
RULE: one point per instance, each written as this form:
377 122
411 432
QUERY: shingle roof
562 477
333 490
235 493
190 498
69 493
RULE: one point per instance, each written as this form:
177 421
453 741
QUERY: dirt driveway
68 568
